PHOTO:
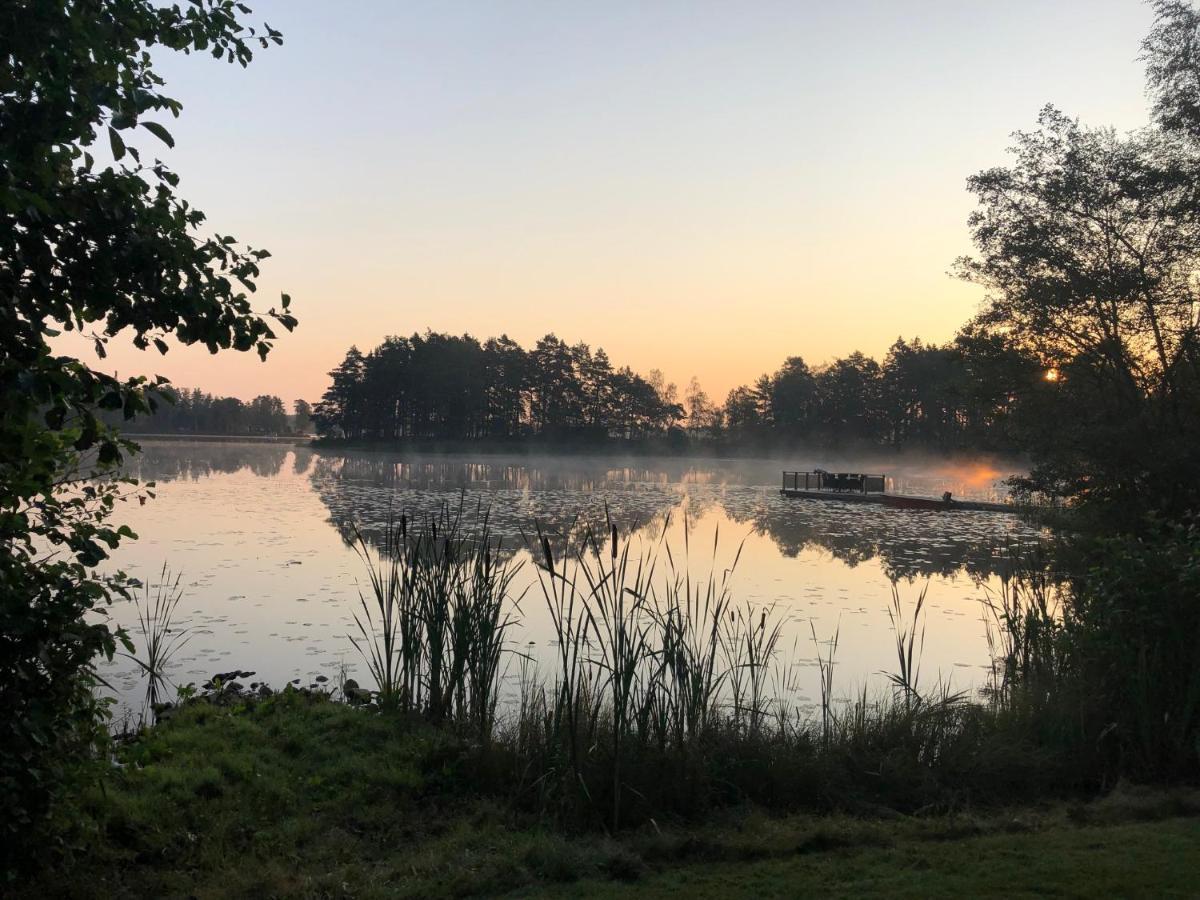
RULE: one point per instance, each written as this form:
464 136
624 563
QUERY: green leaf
118 145
109 453
159 132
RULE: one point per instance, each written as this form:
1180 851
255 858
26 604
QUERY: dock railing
835 482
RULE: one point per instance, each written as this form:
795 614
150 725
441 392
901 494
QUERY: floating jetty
860 487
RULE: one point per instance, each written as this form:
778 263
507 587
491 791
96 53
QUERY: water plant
161 637
666 696
825 664
432 632
909 636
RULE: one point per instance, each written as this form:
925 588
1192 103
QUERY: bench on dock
835 482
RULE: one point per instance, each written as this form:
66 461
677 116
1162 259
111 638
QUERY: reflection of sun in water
1051 374
974 474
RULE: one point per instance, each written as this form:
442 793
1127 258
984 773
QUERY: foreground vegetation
660 744
298 795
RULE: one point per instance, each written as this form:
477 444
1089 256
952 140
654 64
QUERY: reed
649 665
161 637
690 616
386 639
618 595
909 635
665 696
749 646
825 664
433 632
1024 629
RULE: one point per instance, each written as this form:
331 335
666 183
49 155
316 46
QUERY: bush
1133 632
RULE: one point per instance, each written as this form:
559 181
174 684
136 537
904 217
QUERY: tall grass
161 637
432 630
660 700
909 634
1024 629
692 627
825 664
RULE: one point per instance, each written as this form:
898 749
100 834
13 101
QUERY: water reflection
270 583
907 543
566 496
193 460
363 492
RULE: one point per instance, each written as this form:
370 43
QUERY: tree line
445 386
966 394
183 411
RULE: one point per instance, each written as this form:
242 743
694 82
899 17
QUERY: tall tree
848 397
506 373
342 407
702 417
302 414
105 250
744 413
791 395
1088 245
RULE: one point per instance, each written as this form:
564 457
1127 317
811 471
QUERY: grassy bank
300 796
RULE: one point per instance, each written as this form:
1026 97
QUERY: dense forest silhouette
183 411
966 394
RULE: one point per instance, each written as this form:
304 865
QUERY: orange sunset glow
698 191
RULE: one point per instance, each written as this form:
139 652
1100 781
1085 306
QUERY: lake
258 533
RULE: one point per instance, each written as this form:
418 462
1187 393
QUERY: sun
1051 374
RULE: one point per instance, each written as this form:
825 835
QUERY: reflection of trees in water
567 498
570 494
565 502
537 473
302 461
191 461
908 543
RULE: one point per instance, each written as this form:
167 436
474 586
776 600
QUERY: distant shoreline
225 438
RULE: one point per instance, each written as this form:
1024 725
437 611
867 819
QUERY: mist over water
259 533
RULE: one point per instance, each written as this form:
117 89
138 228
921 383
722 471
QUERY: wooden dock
860 488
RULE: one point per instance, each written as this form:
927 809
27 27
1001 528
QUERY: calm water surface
258 532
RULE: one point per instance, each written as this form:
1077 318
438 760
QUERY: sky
703 188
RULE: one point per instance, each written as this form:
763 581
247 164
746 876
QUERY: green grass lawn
302 797
1147 859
